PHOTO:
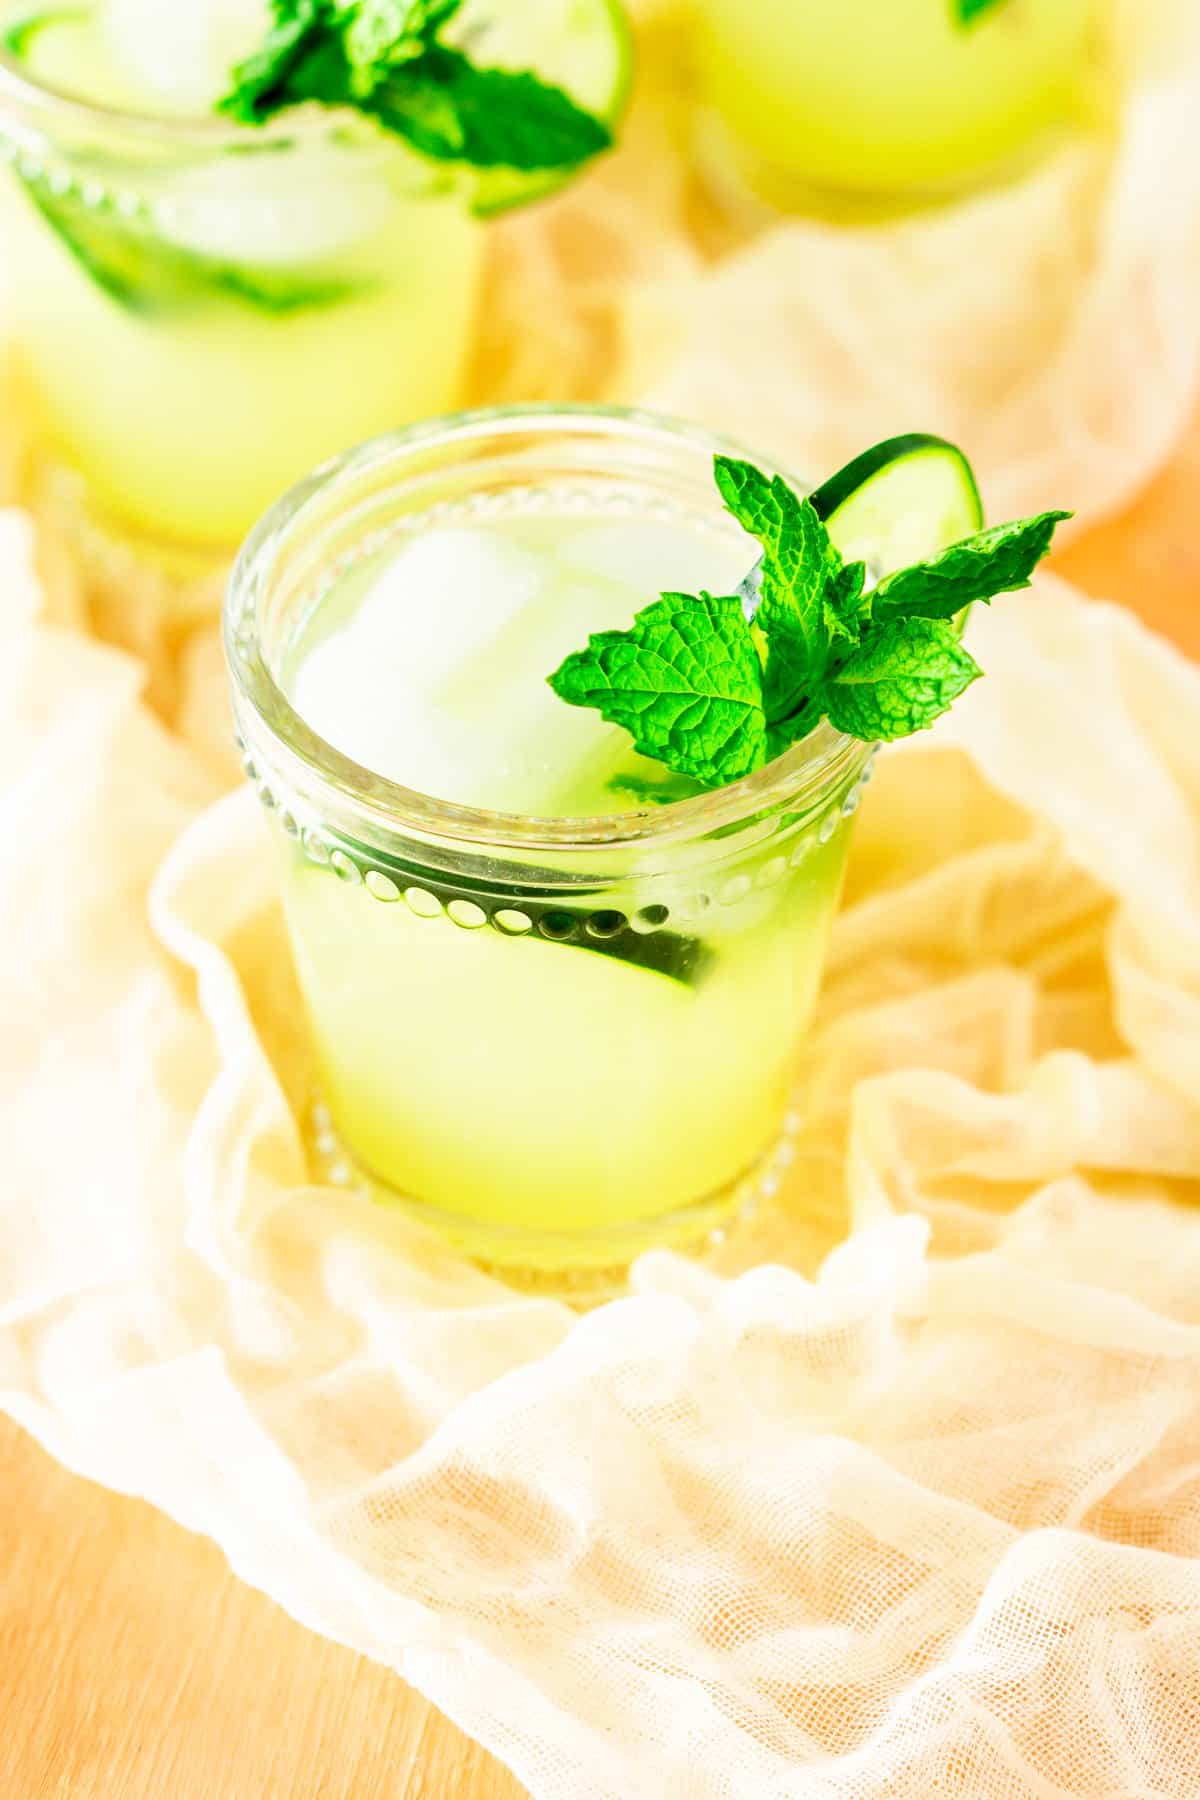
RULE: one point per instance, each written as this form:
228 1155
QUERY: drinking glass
558 1040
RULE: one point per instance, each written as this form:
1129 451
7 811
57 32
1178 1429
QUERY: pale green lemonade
557 1049
879 98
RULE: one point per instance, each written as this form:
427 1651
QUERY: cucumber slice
581 46
144 274
676 955
901 502
139 270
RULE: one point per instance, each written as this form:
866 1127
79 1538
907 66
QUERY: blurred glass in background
858 105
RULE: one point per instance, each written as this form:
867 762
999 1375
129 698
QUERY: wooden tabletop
133 1666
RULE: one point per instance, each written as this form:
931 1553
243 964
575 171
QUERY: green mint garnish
385 58
714 696
970 10
685 682
808 596
490 118
900 679
383 32
977 568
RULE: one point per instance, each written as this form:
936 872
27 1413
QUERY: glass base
582 1268
142 596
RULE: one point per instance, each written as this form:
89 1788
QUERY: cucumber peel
900 502
675 955
148 276
151 277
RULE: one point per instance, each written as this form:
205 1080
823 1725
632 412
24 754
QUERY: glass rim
19 87
816 762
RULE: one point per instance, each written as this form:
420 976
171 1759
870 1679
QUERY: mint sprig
386 59
714 695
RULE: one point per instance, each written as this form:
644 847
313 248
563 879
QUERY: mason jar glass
850 106
203 311
558 1040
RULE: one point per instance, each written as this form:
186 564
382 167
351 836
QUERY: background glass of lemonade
838 105
204 311
559 1038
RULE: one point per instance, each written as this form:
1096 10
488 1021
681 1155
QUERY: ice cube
437 678
517 733
650 556
438 607
406 686
182 52
300 206
356 703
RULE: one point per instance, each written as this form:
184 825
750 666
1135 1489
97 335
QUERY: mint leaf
685 682
265 81
846 608
798 558
970 10
799 570
385 58
491 118
383 33
905 674
977 568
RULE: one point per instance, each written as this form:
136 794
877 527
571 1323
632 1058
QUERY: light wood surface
133 1666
